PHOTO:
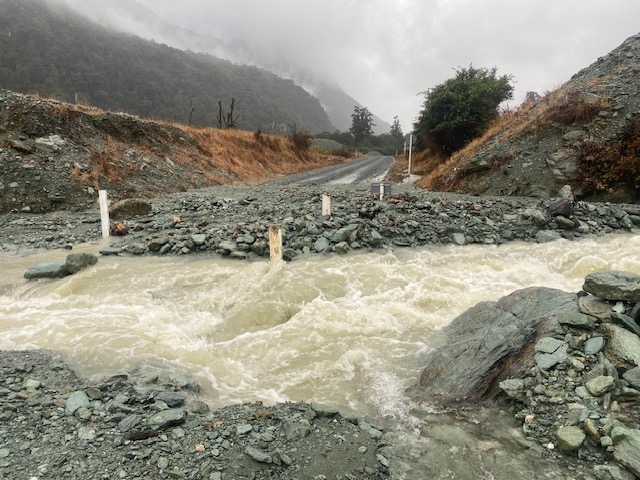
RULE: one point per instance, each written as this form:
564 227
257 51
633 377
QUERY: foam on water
346 330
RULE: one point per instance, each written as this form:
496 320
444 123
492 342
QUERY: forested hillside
56 52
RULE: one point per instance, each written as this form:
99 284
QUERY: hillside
55 156
585 134
59 53
130 16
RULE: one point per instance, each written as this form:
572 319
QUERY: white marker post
326 205
275 244
410 148
104 212
381 191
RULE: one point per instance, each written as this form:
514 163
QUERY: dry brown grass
563 106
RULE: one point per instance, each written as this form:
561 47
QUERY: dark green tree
361 125
396 133
462 108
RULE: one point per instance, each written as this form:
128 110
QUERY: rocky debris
74 263
234 222
55 425
571 373
545 147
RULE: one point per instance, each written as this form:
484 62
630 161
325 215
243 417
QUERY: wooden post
410 148
326 205
275 244
104 212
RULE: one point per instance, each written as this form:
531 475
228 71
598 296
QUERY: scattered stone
570 439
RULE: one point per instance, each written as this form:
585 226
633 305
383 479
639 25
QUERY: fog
385 52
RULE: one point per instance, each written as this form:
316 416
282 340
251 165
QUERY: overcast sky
384 52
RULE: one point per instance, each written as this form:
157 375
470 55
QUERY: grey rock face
76 262
613 285
496 332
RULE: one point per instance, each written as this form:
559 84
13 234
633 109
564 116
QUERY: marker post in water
104 212
275 244
326 205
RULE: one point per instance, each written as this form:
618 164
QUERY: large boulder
129 208
613 285
73 264
491 342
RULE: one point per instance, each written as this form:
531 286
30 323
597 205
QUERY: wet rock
129 208
168 418
595 307
495 332
613 285
76 262
47 270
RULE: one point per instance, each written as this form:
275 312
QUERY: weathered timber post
104 212
326 205
275 244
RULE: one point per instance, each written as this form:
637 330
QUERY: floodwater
350 331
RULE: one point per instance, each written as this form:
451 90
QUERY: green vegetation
462 108
60 54
386 143
361 125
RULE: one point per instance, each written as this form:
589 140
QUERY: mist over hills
48 48
133 17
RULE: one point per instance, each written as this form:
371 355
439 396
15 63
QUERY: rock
111 251
570 439
157 243
136 248
577 320
76 262
627 451
168 418
172 399
633 377
612 472
595 307
258 455
47 270
198 239
626 322
129 208
561 207
550 352
321 245
613 286
497 333
622 348
76 400
545 236
593 346
600 385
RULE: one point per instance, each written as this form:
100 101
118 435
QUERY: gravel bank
234 221
138 425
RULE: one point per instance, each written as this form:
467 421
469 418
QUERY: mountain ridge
57 52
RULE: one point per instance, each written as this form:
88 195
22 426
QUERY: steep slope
585 134
57 52
130 16
55 156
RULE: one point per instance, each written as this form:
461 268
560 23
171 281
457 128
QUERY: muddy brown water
350 331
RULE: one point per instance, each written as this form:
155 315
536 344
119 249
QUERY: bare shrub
301 139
